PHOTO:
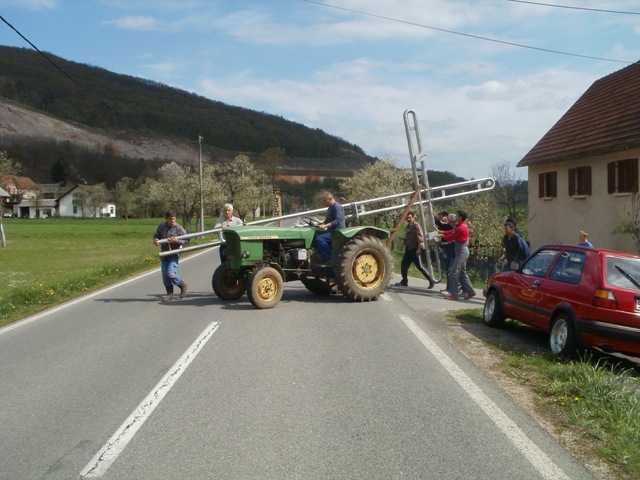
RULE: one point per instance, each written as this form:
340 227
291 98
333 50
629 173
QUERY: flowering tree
380 179
241 184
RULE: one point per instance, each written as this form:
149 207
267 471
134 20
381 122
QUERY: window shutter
541 185
572 181
634 175
587 180
611 177
553 184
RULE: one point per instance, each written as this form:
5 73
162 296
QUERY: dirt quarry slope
19 122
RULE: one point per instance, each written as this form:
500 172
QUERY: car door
562 286
522 291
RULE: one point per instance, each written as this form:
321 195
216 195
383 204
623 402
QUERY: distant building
82 201
26 199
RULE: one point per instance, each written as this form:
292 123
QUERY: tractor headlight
245 254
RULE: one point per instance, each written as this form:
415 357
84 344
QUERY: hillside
16 122
47 119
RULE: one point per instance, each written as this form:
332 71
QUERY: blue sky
352 67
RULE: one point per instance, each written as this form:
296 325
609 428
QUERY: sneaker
451 297
431 285
168 298
401 284
183 290
469 295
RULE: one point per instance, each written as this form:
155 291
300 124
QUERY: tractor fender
352 232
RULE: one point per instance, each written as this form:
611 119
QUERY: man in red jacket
458 270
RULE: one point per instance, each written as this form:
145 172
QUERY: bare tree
125 197
272 159
506 190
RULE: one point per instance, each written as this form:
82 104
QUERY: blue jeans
458 273
169 270
323 243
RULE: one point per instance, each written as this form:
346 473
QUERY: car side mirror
514 265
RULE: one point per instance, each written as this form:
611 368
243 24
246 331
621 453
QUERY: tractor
260 259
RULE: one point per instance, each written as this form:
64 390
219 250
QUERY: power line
70 77
478 37
575 8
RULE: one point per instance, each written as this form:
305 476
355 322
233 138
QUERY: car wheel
265 287
492 312
562 339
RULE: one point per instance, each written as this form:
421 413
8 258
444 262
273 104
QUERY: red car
581 296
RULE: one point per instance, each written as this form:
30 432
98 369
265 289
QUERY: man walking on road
169 230
413 248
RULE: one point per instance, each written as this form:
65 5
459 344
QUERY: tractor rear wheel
364 269
265 287
228 284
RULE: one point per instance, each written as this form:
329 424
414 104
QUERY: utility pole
201 189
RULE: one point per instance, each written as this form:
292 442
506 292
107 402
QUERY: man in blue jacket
335 219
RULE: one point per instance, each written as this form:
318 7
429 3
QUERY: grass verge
50 261
596 394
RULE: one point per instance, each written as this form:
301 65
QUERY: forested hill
138 106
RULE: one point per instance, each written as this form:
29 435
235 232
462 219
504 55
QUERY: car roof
564 246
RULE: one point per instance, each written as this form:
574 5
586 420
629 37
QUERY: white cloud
31 4
135 23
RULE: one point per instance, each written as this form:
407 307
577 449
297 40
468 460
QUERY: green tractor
259 259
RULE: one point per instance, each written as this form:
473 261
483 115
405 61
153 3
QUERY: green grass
49 261
599 397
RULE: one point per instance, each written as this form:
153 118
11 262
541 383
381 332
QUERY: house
20 189
85 201
30 200
583 173
4 198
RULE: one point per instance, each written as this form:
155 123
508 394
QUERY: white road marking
386 297
540 461
99 464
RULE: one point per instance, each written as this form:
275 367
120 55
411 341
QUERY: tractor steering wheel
311 221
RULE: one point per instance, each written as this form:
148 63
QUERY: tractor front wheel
265 287
364 269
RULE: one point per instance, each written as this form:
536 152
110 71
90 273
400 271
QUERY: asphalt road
117 385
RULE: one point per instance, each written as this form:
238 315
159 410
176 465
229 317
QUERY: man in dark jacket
413 247
169 230
515 247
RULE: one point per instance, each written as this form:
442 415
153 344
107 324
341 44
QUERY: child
584 239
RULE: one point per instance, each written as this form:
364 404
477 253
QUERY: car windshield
623 272
540 262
